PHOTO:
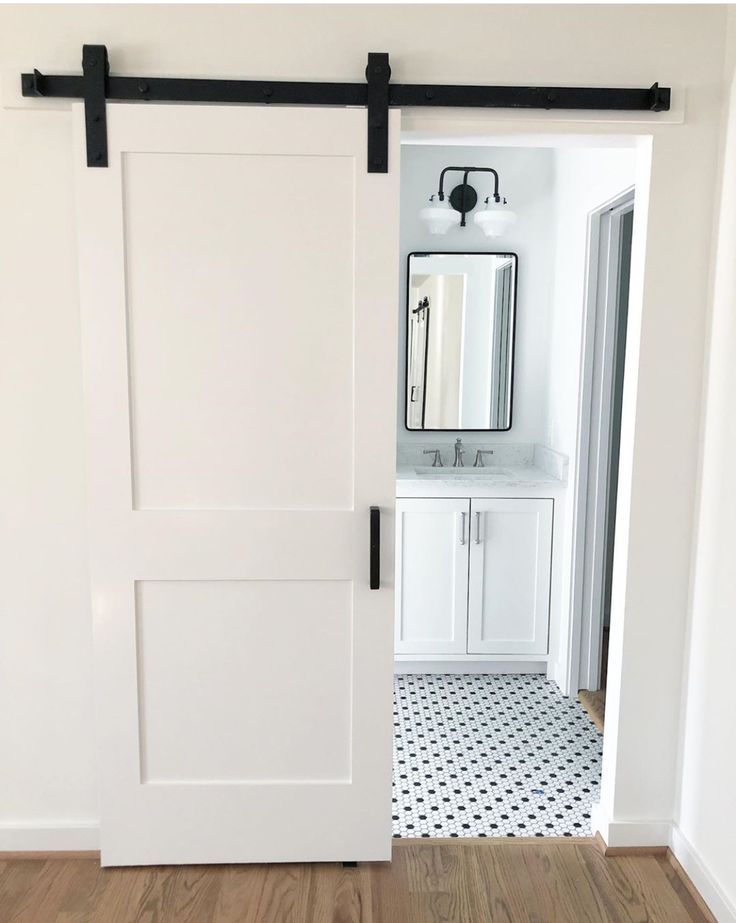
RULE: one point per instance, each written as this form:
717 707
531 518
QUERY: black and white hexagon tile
485 755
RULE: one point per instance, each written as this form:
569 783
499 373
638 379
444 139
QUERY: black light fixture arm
463 198
97 87
466 171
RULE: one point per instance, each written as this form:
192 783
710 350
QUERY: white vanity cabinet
473 576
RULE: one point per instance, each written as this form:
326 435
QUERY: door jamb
594 419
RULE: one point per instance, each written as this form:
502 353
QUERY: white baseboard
618 833
557 675
69 837
723 909
469 666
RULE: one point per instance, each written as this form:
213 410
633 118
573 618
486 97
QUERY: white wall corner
50 837
618 833
722 908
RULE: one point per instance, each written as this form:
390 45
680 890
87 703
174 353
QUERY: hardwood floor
595 705
463 881
595 702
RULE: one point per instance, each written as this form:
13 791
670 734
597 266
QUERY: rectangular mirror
461 313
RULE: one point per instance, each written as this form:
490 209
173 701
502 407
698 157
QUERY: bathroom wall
552 189
585 178
526 176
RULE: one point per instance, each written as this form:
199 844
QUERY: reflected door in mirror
460 340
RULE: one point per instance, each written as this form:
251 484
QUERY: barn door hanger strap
96 86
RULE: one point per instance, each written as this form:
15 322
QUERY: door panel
510 562
432 576
239 337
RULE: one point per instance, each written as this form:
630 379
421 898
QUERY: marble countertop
514 467
468 482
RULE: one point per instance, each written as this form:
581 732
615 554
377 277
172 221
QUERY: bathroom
512 335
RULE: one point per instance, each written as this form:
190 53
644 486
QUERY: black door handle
375 558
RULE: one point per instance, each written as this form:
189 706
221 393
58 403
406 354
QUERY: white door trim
594 425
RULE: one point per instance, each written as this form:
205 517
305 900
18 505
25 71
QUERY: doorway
490 738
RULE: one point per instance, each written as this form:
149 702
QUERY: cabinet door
431 576
510 561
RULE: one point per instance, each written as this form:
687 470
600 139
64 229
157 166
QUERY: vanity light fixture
445 212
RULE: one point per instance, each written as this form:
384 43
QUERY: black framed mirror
460 331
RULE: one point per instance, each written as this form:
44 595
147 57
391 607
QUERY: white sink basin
490 471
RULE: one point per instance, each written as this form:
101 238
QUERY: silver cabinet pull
477 528
462 528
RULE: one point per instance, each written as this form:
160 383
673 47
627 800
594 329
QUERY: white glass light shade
495 219
439 217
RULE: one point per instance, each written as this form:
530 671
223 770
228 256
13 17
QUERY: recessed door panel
241 388
226 680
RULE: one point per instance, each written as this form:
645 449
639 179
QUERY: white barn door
238 274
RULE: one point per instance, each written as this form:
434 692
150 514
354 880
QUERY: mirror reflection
460 340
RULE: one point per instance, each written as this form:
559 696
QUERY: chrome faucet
437 461
459 452
478 463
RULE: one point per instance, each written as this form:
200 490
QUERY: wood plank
635 850
45 898
438 883
140 894
238 891
686 890
595 705
17 880
50 854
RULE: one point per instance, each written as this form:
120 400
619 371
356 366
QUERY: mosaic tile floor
485 755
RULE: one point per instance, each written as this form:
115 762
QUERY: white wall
47 769
584 179
704 836
46 719
526 176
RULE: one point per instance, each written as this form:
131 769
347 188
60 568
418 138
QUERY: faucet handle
478 463
459 452
437 460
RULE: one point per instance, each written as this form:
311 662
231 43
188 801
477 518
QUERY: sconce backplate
456 198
